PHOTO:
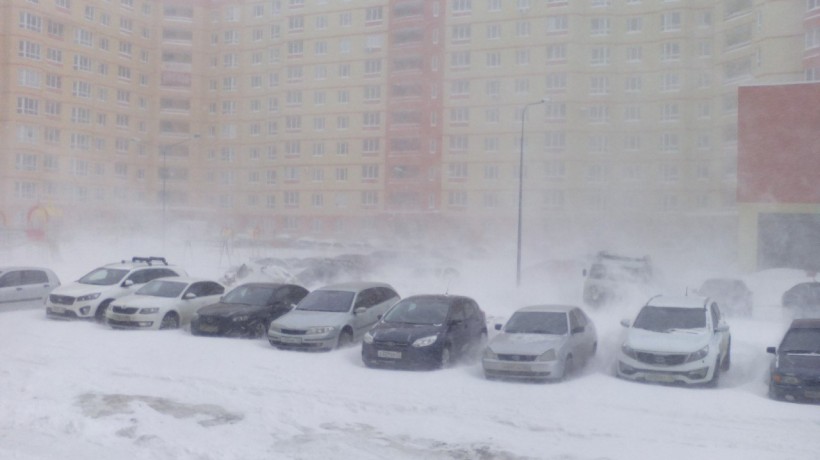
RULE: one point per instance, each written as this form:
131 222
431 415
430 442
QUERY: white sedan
164 303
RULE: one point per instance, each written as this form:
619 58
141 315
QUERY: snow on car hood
675 341
403 333
76 289
143 301
225 310
525 344
302 319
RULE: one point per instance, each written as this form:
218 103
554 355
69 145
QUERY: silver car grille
61 299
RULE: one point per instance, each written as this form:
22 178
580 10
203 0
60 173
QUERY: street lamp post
164 177
521 190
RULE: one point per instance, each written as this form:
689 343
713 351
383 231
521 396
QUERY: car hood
225 310
525 344
802 364
403 333
300 319
680 341
76 289
143 301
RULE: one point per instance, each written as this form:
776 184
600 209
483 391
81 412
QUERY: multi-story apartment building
317 116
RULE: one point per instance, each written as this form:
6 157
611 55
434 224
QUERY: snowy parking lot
79 390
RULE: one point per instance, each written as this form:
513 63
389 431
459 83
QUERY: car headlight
786 379
149 311
425 341
86 297
320 330
490 354
548 355
240 318
700 354
628 351
368 338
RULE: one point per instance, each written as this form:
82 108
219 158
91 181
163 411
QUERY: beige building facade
346 117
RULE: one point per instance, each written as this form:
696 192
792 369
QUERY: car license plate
117 317
208 328
388 354
514 367
57 310
661 378
290 339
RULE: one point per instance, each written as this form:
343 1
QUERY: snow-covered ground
76 390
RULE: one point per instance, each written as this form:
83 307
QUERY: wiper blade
801 352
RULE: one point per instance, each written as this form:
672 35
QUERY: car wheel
716 375
445 360
169 321
345 339
727 360
569 367
259 330
99 315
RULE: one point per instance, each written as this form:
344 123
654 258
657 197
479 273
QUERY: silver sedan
541 342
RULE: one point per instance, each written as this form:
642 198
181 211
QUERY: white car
541 342
25 287
89 297
676 340
165 303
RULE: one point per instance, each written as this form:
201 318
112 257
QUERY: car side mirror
454 322
578 329
771 350
127 283
625 323
359 311
497 327
189 296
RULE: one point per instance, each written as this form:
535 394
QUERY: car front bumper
795 393
84 310
401 355
222 327
123 321
691 373
317 342
526 370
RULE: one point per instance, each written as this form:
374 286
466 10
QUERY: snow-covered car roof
691 301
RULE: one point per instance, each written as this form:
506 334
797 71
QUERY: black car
803 299
247 310
429 331
732 294
795 371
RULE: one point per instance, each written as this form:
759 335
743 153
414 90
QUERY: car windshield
665 319
104 276
418 311
162 288
249 295
801 341
327 300
537 322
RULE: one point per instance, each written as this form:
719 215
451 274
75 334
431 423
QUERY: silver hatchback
541 342
332 316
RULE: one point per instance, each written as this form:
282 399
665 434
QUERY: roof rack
149 260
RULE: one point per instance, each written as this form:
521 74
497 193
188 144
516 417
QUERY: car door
582 334
364 315
37 285
721 337
12 293
458 328
202 295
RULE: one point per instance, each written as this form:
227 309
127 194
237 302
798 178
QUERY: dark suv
426 331
795 370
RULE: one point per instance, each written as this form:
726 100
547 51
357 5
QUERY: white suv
676 340
89 297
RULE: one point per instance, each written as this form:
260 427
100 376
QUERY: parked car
164 303
247 310
426 331
25 287
731 294
676 340
803 300
332 316
795 370
542 342
89 297
610 277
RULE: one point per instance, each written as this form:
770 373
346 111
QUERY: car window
11 279
573 320
140 276
457 312
34 277
366 299
212 288
197 289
